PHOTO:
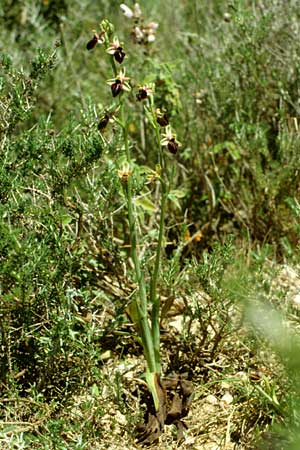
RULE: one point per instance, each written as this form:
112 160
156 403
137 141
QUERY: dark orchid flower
119 84
169 140
116 49
97 39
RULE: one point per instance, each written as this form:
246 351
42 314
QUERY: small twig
227 438
3 423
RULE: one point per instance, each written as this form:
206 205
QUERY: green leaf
176 194
150 378
133 312
95 390
66 219
135 315
230 147
145 203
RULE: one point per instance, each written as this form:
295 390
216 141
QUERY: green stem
154 298
142 307
113 65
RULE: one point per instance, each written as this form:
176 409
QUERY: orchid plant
144 308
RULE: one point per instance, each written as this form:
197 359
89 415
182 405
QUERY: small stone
211 399
242 376
227 398
296 299
120 418
105 355
177 324
225 385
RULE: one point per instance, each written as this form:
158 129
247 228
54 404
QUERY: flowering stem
141 308
154 298
113 65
